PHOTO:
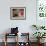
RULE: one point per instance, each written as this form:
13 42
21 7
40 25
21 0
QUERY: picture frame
17 13
41 9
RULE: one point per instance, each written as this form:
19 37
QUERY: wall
24 25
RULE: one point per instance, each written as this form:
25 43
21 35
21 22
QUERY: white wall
24 25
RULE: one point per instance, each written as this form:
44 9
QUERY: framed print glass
18 13
41 8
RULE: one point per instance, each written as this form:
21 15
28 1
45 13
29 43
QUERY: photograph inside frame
18 13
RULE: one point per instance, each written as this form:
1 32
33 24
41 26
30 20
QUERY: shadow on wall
8 30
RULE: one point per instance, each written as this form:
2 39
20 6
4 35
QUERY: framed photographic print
41 8
17 13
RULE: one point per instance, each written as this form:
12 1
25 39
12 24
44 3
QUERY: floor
13 44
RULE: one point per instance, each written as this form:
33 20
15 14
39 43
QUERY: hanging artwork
18 13
41 8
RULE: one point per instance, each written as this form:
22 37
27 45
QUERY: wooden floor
13 44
